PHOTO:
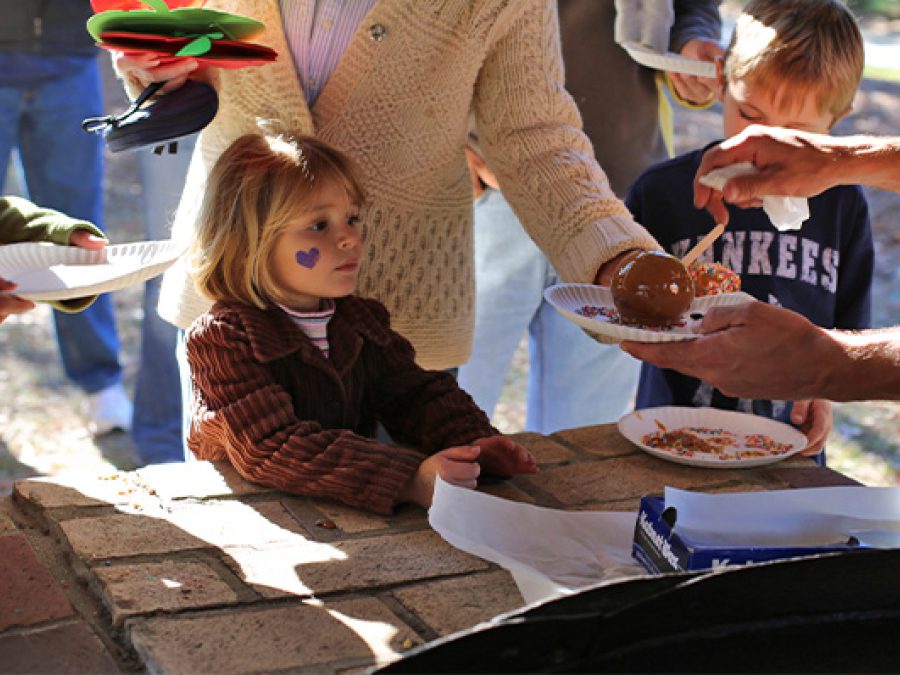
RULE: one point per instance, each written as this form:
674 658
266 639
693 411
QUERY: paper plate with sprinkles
592 308
711 438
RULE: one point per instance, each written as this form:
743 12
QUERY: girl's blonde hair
794 48
253 193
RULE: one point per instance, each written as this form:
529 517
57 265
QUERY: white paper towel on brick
798 517
548 551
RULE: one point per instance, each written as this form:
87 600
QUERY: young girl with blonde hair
291 373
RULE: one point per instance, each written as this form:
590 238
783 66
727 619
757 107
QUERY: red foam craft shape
107 5
222 54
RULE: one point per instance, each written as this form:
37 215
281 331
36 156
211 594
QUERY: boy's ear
720 79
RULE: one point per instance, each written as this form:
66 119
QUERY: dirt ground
42 432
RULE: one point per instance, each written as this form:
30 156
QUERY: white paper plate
670 61
50 272
573 299
636 425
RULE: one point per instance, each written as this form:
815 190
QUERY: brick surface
28 593
116 487
603 440
633 504
197 479
127 590
182 526
728 489
810 477
345 519
224 523
124 535
71 648
279 516
762 480
507 490
315 514
275 571
380 561
795 462
623 478
349 632
451 605
545 449
245 602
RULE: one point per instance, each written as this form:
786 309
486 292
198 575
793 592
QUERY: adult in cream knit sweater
398 101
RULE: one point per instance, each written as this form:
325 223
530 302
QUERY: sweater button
377 32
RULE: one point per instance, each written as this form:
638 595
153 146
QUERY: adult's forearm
869 161
756 350
795 163
862 366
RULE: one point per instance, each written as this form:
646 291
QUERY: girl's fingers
457 472
468 484
462 453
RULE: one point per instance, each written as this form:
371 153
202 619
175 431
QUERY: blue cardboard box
658 548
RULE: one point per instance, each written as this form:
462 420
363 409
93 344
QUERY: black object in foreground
829 613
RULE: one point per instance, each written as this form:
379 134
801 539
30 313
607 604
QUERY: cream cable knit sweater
398 104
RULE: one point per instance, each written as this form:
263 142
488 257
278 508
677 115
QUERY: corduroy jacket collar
274 335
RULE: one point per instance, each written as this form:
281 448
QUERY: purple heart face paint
307 258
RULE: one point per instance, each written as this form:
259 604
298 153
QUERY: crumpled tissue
786 213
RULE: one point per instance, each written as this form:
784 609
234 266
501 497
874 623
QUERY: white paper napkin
786 213
801 517
549 552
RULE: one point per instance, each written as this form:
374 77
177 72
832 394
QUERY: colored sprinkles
713 279
766 443
611 315
717 443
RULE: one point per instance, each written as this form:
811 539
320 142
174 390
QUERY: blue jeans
63 169
184 374
157 425
572 380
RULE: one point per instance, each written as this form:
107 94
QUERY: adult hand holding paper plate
643 30
669 61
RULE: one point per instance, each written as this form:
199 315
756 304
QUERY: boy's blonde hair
794 48
254 191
